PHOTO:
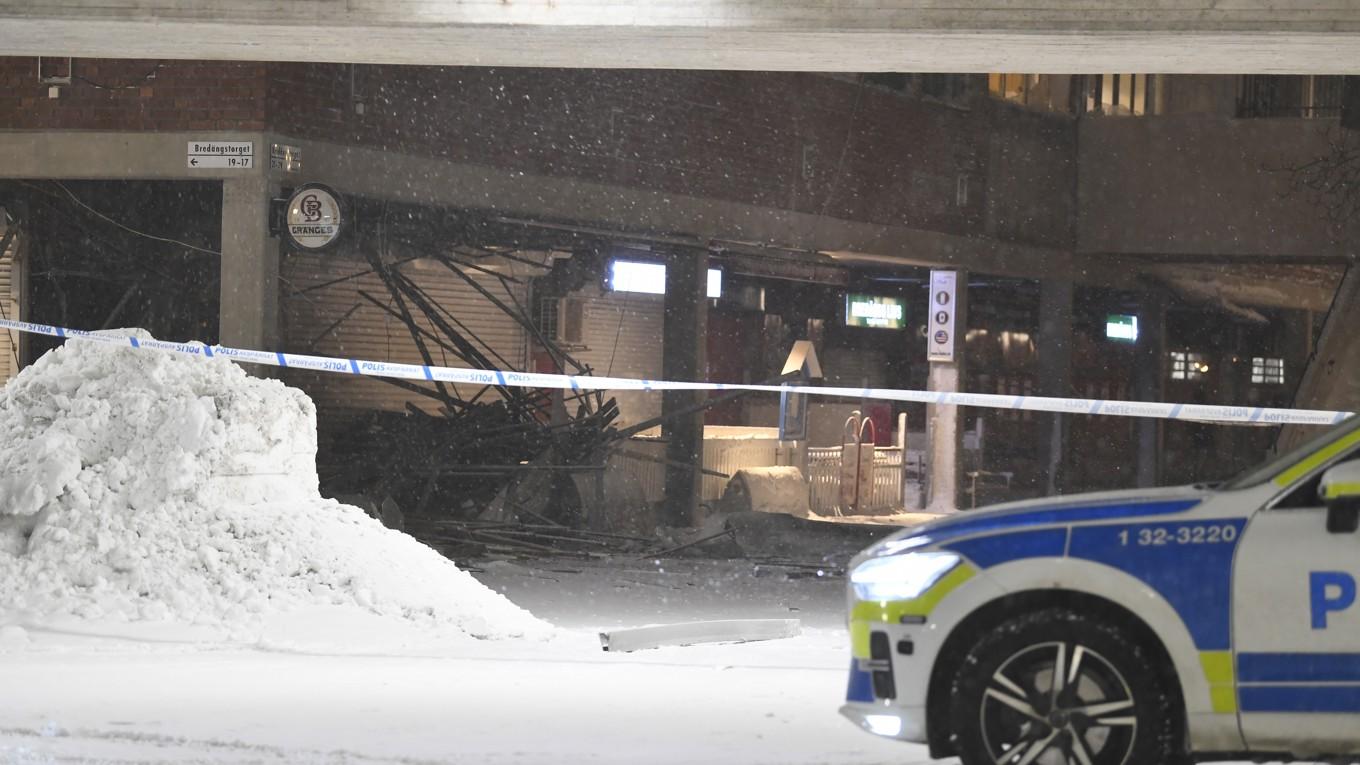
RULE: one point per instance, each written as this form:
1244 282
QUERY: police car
1124 628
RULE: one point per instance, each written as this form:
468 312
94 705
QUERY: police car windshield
1261 474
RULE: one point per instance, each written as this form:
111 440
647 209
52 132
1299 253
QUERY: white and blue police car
1124 628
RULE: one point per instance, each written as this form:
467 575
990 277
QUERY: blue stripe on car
1337 699
861 684
1298 668
996 549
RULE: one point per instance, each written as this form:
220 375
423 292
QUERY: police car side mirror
1343 516
1340 489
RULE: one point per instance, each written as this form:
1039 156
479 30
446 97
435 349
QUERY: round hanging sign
315 217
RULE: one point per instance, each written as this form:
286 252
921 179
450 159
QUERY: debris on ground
509 539
784 537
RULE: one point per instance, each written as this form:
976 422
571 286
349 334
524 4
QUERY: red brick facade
806 142
180 95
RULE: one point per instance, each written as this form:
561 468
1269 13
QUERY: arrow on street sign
236 155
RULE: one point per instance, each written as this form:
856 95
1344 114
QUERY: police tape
506 379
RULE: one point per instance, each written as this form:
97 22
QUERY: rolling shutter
621 335
335 320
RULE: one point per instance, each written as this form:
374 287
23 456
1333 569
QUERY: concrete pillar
1149 385
249 313
944 424
1055 369
1330 381
684 336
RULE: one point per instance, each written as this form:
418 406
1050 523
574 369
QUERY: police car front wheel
1055 687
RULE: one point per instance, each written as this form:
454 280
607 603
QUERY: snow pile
145 485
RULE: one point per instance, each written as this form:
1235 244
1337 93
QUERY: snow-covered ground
339 685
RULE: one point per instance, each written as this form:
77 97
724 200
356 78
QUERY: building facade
1123 235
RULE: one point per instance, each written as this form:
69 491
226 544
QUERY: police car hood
1050 511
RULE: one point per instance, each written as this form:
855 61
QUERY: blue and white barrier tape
1198 412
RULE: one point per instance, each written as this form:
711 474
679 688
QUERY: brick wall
804 142
1032 177
181 95
812 143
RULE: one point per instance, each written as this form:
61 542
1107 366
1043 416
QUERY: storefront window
1266 371
1188 366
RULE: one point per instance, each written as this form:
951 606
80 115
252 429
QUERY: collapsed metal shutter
9 309
621 333
335 320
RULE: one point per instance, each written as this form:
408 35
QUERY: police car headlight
901 577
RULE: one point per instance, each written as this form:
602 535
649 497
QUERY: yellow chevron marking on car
1316 459
866 612
1218 670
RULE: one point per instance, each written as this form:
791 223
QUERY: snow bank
144 485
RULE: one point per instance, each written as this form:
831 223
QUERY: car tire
1110 707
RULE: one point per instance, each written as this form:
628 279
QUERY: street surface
342 687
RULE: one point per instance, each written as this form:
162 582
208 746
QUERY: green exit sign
1121 327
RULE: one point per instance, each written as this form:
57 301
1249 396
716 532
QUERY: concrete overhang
740 228
1057 36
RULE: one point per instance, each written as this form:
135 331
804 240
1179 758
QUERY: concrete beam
1332 379
1055 36
87 155
424 180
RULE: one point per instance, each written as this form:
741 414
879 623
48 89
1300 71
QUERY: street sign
314 217
941 336
285 157
234 155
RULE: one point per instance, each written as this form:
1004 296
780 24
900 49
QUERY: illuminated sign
875 311
650 278
1120 326
314 217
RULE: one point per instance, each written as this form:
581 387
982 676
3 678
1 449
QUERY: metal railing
824 481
